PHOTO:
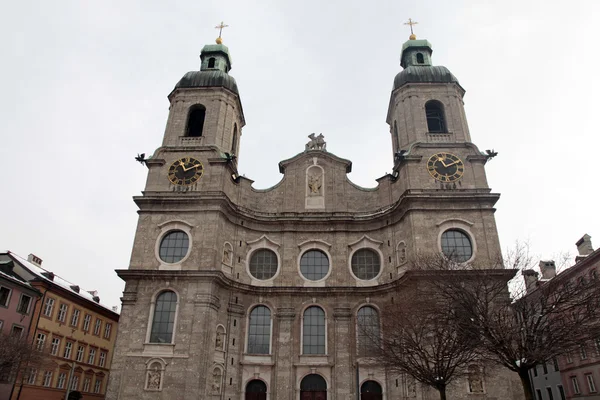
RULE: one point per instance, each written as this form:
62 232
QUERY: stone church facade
239 293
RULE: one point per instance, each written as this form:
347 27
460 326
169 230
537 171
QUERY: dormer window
211 62
434 111
195 123
420 58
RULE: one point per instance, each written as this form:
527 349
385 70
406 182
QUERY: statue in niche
227 255
411 390
219 341
475 382
216 385
316 142
314 184
154 377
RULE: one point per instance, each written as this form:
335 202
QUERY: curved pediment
283 165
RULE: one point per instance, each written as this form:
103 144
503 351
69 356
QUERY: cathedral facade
239 293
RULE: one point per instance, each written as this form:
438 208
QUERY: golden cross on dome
411 23
220 27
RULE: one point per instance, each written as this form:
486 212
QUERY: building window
561 391
107 329
60 383
32 376
54 346
1 325
456 245
68 349
87 381
47 379
102 360
97 327
48 307
420 58
371 390
314 265
538 394
92 356
475 378
74 382
40 341
4 296
234 140
569 357
62 312
196 121
575 384
535 373
550 395
24 304
263 264
17 331
98 385
80 352
256 386
313 331
163 319
555 361
365 264
436 122
259 331
367 321
174 246
75 317
313 383
86 322
591 383
545 367
211 62
583 352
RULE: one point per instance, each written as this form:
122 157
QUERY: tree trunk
442 390
527 387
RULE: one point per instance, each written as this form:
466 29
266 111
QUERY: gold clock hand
187 169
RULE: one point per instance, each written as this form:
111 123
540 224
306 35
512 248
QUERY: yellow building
75 328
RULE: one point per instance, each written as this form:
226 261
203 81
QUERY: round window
314 265
263 264
456 245
174 246
365 264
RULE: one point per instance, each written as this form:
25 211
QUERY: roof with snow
7 274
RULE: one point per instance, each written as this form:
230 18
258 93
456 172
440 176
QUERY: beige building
239 293
76 330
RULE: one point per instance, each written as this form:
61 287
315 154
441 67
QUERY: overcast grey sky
84 87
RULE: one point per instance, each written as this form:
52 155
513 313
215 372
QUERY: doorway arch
256 390
313 387
371 390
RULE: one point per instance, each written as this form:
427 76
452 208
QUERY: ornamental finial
220 28
411 23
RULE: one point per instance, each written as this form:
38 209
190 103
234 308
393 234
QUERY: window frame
40 342
48 307
47 380
322 250
381 263
61 381
253 246
80 355
98 385
21 327
25 312
162 238
591 383
190 111
107 330
575 385
97 327
165 229
302 325
68 350
442 117
61 315
151 317
249 319
75 317
32 377
362 350
8 296
102 358
55 346
86 322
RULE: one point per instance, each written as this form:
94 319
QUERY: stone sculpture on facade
216 385
316 142
314 184
154 377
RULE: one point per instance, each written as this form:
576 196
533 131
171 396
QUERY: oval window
314 265
366 264
174 246
456 245
263 264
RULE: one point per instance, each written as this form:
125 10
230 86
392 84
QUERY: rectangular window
555 361
575 385
97 385
97 327
17 331
107 329
1 324
68 349
86 384
80 351
48 307
54 346
535 373
583 352
561 391
40 341
538 394
550 395
32 376
4 296
75 317
62 312
569 357
60 383
598 347
91 356
545 366
591 383
74 382
86 322
48 378
24 304
102 360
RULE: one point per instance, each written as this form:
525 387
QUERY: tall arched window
436 123
420 58
367 327
259 331
163 319
195 123
234 140
211 62
313 331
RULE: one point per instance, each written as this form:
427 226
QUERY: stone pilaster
285 346
344 379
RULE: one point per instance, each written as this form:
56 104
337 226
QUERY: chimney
531 278
75 288
96 299
548 269
32 258
93 292
584 245
49 275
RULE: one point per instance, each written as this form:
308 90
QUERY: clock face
445 167
185 171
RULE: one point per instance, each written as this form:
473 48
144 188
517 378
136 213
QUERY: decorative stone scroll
315 186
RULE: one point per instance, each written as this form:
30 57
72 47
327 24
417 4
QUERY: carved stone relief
216 381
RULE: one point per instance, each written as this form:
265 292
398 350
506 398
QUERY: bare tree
421 338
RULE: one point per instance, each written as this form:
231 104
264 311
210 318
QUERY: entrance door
256 390
313 387
371 390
